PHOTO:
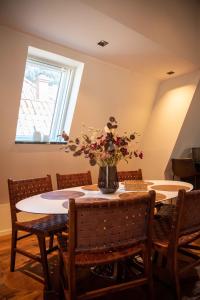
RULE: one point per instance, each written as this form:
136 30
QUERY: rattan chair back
130 175
46 226
72 180
188 208
174 236
21 189
103 225
105 231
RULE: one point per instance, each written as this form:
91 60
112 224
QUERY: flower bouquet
104 148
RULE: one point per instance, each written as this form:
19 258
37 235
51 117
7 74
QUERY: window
48 98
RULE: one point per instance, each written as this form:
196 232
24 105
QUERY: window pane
38 99
49 93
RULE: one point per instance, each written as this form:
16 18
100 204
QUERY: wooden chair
72 180
172 236
103 231
184 169
43 227
130 175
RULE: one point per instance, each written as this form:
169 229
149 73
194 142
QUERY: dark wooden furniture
175 235
196 158
129 175
72 180
43 227
103 231
184 169
196 154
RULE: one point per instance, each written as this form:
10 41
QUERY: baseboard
5 232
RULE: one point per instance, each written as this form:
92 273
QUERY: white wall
105 90
198 33
173 100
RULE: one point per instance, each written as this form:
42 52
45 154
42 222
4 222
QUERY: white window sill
38 143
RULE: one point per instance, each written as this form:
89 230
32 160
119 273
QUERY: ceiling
150 39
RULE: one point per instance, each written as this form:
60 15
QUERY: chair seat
45 225
162 232
92 258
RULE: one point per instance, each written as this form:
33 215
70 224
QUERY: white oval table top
39 205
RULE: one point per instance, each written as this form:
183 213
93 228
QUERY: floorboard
24 283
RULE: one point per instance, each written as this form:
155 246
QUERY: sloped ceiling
151 37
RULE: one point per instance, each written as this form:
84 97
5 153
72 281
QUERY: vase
108 180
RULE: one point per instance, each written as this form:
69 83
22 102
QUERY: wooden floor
17 285
22 286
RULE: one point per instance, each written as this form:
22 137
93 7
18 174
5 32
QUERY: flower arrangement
103 147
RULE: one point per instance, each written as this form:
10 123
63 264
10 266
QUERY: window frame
71 73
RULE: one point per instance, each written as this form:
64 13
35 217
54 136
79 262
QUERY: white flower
106 129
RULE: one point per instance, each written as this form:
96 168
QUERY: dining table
56 202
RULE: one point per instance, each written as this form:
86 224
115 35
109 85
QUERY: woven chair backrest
72 180
130 175
21 189
183 167
109 224
189 206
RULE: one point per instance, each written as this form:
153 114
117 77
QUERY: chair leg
174 277
155 257
13 250
148 273
176 284
164 261
72 283
178 290
51 241
44 261
150 289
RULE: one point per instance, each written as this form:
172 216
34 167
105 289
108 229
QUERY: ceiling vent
170 73
102 43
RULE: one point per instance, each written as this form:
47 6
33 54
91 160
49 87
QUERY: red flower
124 151
141 155
104 149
